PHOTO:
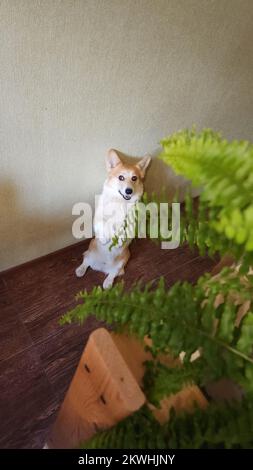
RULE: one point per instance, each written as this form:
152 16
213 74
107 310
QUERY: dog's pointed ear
112 159
143 164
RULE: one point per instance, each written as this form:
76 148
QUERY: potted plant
213 317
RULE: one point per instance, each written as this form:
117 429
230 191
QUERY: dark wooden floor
37 356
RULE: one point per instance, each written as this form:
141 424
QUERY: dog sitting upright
124 185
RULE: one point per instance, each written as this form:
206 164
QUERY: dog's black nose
129 191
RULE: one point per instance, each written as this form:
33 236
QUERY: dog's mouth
127 198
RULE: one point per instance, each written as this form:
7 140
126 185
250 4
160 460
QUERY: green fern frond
139 431
224 170
182 318
221 425
218 426
161 381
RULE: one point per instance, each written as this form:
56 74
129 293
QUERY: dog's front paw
81 270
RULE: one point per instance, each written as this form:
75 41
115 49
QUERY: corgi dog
123 186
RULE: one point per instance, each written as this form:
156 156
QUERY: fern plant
213 317
225 172
219 426
180 319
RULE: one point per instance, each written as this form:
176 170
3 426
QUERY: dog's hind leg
118 270
81 270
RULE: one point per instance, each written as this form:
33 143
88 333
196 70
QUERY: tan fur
114 198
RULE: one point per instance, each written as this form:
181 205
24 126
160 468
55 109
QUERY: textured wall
79 76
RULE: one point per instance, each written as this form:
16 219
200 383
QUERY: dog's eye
134 178
121 178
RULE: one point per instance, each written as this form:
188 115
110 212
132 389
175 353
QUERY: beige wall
79 76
